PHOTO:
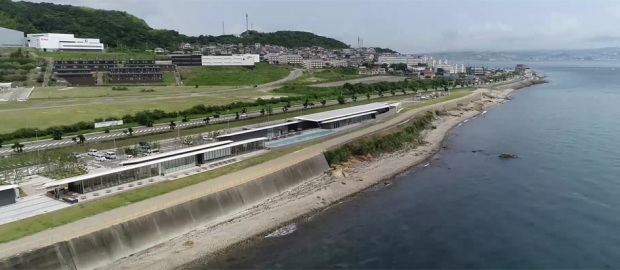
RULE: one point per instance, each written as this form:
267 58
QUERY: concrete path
120 215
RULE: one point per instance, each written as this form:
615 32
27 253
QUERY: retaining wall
108 245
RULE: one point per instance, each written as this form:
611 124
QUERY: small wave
466 120
426 165
483 112
283 231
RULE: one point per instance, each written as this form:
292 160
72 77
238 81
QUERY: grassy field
22 228
262 73
169 78
326 75
60 107
98 55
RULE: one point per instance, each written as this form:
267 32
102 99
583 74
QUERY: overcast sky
408 26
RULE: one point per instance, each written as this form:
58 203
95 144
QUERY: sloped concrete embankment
105 246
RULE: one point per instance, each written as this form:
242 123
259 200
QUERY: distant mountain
601 54
121 29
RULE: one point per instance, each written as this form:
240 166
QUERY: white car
92 152
110 155
100 157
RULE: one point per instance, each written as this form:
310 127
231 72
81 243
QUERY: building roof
257 129
7 187
340 113
347 117
174 152
131 167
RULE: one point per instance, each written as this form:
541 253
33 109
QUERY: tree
56 134
244 110
341 100
1 141
236 115
269 110
306 103
216 115
206 120
130 131
354 97
262 111
368 96
81 138
184 115
18 147
172 125
323 102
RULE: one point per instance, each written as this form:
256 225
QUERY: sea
557 205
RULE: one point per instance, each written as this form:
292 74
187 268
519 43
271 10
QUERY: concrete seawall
108 245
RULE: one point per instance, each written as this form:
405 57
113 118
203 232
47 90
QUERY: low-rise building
477 71
399 59
77 77
93 65
291 59
135 75
313 63
339 63
63 42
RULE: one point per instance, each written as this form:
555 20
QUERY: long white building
401 59
63 42
230 60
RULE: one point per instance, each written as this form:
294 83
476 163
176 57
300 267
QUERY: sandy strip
302 201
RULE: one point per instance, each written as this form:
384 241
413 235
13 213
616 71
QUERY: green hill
121 29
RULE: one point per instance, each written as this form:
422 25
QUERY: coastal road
367 80
129 212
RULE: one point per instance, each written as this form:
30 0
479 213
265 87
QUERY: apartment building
313 64
339 63
291 59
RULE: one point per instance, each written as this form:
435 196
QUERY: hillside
121 29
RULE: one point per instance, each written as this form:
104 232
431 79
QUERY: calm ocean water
556 206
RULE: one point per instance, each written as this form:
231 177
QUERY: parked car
100 157
92 152
110 155
76 155
206 138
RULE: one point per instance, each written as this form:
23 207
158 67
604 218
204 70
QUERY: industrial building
135 75
63 42
8 194
162 164
76 77
324 120
11 38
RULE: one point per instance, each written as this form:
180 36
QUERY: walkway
123 214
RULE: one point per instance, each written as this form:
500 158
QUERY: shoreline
299 204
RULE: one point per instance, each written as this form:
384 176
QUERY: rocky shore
278 215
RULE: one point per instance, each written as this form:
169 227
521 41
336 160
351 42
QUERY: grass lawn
262 73
454 94
98 55
325 75
22 228
169 78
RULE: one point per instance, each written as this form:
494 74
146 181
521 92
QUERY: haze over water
556 206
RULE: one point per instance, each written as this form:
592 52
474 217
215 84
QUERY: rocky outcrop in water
507 156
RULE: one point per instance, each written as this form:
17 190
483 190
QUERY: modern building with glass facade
162 164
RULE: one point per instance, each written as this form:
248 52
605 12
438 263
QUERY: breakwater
108 245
